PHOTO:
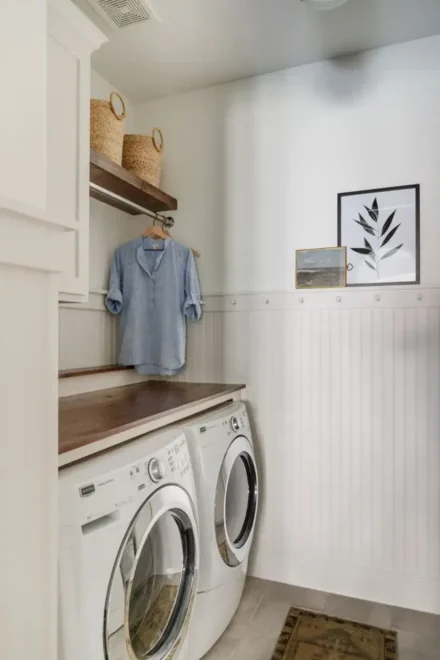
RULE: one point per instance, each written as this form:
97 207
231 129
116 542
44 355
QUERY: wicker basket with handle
107 127
142 155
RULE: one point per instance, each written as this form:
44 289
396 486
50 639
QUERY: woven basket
142 155
107 128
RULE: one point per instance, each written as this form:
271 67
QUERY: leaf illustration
370 265
371 213
367 228
390 235
367 245
387 224
361 250
375 207
391 252
363 221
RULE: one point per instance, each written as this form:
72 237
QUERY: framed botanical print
381 230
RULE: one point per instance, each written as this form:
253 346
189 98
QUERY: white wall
344 394
257 164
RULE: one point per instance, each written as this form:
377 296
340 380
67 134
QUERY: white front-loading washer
128 552
226 478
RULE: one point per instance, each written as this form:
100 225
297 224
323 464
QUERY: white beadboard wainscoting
88 334
344 389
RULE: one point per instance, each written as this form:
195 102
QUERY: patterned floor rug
312 636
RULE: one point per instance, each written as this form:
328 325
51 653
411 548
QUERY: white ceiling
197 43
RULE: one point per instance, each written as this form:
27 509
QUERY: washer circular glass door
153 581
236 502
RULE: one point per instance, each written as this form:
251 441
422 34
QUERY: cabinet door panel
71 39
63 124
68 82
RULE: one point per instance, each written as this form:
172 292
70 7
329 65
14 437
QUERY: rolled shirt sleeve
114 300
192 307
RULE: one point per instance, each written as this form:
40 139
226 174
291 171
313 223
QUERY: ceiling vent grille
121 13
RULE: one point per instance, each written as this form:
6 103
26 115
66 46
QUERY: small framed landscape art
321 268
381 230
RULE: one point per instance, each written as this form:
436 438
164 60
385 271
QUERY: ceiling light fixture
325 4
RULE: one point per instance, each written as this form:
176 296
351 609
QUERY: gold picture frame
317 270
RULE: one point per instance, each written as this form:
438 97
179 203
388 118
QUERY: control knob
156 470
235 424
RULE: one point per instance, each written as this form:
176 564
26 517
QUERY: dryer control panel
239 421
230 422
109 492
236 423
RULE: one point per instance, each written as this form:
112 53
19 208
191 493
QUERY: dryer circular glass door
236 502
151 590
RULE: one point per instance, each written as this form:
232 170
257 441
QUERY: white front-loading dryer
226 477
129 552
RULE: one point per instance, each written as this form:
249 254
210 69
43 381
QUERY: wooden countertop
93 422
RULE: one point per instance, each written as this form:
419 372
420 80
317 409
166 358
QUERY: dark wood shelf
107 174
88 418
90 371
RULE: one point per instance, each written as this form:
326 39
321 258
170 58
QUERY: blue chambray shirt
155 288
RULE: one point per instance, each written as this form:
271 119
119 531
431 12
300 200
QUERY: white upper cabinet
71 39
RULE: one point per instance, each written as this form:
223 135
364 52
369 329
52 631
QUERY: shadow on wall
346 76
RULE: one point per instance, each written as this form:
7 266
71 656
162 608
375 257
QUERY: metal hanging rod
167 222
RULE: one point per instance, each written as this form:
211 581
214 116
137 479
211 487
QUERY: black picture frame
372 191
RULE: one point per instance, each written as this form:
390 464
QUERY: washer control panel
178 457
108 492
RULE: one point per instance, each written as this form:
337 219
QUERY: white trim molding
422 295
79 22
28 243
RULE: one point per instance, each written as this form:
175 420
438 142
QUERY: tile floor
254 630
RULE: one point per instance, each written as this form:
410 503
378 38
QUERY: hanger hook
166 223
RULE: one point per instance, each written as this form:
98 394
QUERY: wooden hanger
154 232
196 253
